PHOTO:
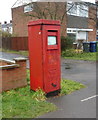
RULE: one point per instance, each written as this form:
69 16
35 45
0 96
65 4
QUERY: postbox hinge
41 28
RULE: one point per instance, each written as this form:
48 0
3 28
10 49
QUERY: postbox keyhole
54 85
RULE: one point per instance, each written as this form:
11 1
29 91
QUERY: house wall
20 19
84 23
92 23
7 27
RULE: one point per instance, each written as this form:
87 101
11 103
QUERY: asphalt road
71 106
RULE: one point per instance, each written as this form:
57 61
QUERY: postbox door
52 60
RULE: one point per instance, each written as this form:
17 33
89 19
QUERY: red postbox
44 54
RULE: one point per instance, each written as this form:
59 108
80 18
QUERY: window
71 30
52 40
72 9
68 30
83 10
74 31
28 8
97 12
97 32
77 9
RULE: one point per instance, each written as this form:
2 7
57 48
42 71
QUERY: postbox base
54 93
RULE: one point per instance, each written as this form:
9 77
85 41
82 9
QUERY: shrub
6 34
72 54
39 95
66 43
68 53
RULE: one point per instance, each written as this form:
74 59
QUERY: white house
77 18
7 27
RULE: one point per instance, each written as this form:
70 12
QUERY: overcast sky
5 9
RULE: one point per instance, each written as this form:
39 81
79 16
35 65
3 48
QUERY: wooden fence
15 43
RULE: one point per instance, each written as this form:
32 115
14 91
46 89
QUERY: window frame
28 8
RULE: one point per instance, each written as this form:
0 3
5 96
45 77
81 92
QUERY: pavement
11 56
72 106
81 103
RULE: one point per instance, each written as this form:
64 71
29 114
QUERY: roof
77 22
44 22
22 2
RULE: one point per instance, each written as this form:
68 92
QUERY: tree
54 11
50 10
58 11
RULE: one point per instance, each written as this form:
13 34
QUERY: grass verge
21 103
0 106
69 86
68 54
71 54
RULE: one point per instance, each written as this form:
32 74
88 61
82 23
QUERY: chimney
10 21
5 22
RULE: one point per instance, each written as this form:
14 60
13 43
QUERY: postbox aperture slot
52 40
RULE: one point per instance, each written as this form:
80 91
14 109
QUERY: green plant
28 76
66 43
39 95
0 106
21 103
68 53
6 34
71 54
68 86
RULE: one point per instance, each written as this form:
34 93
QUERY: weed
68 54
28 76
39 95
68 86
0 106
23 103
